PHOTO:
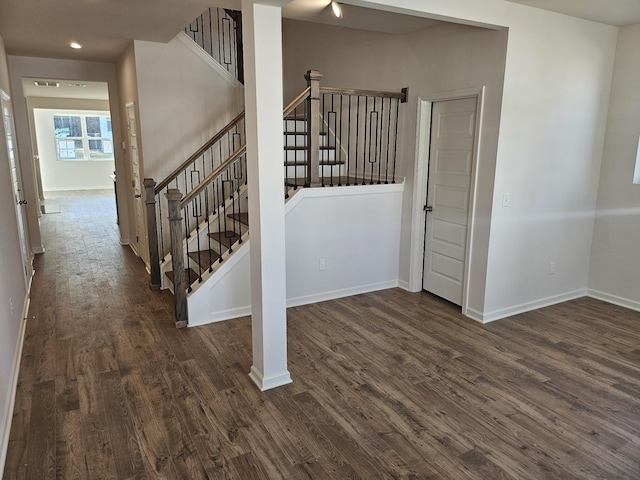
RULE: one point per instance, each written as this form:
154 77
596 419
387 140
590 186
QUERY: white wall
614 272
555 97
182 103
12 285
356 230
67 175
554 108
75 70
346 57
444 60
431 61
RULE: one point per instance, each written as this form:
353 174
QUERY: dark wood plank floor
386 385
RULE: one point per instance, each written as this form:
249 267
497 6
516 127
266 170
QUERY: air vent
82 85
42 83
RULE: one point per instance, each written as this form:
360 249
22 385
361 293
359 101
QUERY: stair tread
304 148
295 132
225 238
206 256
191 275
302 163
242 217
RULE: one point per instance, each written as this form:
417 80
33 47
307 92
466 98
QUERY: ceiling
106 27
611 12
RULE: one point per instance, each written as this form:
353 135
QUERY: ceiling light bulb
75 45
337 9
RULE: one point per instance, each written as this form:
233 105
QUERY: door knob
22 202
138 195
428 208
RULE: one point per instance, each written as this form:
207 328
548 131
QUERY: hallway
389 384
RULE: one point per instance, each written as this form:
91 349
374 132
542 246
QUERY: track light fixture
336 9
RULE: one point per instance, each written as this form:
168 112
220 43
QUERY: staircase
198 214
295 152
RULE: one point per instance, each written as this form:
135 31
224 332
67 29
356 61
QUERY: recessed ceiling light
337 9
75 45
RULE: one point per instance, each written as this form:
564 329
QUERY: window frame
85 138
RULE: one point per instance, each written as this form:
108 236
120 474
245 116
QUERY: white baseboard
473 314
528 306
11 394
273 381
403 284
615 299
220 316
345 292
295 302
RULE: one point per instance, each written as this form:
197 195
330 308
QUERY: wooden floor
386 385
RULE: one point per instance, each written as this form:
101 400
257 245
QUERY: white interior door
16 182
450 164
141 244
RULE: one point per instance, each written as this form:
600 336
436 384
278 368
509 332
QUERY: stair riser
295 125
291 140
300 155
326 171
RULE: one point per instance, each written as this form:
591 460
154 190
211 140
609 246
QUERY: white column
262 40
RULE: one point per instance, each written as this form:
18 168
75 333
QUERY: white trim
38 249
615 299
273 381
344 292
534 305
11 394
67 189
416 256
222 316
473 314
206 58
324 192
404 285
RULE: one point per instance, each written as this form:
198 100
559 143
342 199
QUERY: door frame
21 217
421 169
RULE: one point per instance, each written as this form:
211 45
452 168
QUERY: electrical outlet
552 268
322 264
506 199
11 305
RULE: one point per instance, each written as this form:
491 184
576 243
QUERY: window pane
69 149
100 149
67 126
99 126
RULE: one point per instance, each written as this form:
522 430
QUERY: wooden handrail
160 186
212 176
220 169
296 101
366 93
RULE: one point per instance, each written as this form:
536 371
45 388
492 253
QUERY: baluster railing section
219 32
332 137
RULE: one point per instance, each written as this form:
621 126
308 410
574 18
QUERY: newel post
174 196
313 128
152 229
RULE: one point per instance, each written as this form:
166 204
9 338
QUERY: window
83 137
